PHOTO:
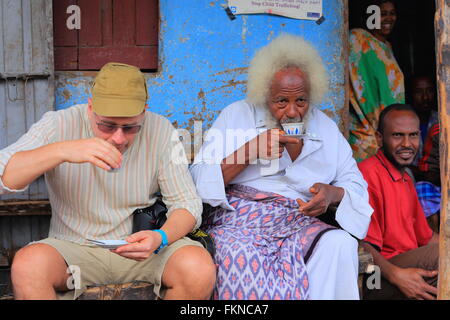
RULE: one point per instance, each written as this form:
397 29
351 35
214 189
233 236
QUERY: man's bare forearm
178 224
230 171
26 166
236 162
387 269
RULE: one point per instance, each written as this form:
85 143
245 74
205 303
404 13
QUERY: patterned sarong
263 246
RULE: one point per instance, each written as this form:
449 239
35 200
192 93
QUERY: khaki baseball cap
119 90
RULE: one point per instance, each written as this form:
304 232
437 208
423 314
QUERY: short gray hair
285 51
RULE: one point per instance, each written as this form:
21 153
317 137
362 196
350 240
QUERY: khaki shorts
97 266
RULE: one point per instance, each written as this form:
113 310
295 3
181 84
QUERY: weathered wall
204 56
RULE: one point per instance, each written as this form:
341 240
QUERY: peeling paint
201 95
230 83
233 70
67 94
244 29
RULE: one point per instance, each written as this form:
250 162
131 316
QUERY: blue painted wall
204 56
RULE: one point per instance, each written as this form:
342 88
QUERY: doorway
413 36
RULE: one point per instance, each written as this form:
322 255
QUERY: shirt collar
260 117
395 174
260 122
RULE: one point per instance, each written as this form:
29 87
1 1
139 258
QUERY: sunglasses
111 128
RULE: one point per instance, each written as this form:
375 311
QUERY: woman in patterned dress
376 80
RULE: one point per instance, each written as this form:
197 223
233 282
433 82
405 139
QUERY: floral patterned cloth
262 247
376 81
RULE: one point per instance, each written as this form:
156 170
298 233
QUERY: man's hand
270 144
142 245
324 196
95 150
410 282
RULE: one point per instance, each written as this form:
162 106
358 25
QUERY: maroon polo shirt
398 223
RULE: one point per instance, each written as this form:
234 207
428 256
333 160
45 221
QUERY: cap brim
116 107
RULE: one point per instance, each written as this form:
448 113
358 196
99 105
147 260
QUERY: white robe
326 157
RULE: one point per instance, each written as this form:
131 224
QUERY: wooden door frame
442 27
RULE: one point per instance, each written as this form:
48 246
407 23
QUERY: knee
193 268
198 262
29 263
22 262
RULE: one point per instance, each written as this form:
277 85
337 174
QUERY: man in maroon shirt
399 238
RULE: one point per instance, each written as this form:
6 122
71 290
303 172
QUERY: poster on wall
297 9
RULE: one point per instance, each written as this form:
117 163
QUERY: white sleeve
40 133
206 170
354 211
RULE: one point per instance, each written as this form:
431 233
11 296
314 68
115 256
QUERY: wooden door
111 30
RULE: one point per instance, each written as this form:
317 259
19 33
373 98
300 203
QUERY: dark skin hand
408 280
268 145
324 196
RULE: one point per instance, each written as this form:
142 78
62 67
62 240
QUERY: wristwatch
164 242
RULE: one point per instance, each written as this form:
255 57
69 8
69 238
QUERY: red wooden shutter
111 30
65 41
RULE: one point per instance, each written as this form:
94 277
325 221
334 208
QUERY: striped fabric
91 203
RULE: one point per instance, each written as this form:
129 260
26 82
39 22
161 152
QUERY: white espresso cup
294 128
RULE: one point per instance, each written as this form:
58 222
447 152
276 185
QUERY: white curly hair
285 51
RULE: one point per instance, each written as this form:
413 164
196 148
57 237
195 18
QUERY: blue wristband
164 242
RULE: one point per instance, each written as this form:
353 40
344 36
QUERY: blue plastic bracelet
164 242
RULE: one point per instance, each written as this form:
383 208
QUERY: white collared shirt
326 157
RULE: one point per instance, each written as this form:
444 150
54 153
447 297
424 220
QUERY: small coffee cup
293 129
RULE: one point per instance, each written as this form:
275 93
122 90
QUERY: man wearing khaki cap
101 161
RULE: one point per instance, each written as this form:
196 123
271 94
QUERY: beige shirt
91 203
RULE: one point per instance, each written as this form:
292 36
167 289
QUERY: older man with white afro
271 165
